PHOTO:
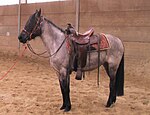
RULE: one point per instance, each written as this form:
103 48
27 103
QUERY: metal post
19 21
77 14
98 74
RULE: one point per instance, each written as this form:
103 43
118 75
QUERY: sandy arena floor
32 88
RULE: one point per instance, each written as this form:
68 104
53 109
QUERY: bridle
34 29
37 26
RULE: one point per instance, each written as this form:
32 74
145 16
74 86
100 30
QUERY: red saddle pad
104 43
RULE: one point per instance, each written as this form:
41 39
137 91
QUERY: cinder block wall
129 20
8 26
59 13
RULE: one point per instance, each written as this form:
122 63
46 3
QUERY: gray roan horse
54 39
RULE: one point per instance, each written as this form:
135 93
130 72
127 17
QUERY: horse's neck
53 39
51 36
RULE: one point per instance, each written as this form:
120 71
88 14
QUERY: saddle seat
85 34
83 38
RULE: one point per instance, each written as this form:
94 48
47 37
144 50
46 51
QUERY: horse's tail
120 78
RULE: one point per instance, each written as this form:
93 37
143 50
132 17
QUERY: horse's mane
55 25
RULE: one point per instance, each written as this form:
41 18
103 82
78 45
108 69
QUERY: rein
41 54
38 54
17 59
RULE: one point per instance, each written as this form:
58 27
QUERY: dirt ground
32 87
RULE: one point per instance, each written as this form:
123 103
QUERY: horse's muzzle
23 39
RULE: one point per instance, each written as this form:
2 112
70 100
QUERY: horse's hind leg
111 71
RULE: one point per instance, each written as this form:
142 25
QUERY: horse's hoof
63 107
114 99
67 109
108 105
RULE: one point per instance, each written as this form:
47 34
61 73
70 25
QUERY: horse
55 40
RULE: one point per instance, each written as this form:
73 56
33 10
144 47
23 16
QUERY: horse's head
32 27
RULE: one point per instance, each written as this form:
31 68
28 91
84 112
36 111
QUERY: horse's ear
38 13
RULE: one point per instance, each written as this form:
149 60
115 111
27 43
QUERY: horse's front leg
64 80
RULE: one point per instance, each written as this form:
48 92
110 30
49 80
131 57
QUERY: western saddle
79 37
80 42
